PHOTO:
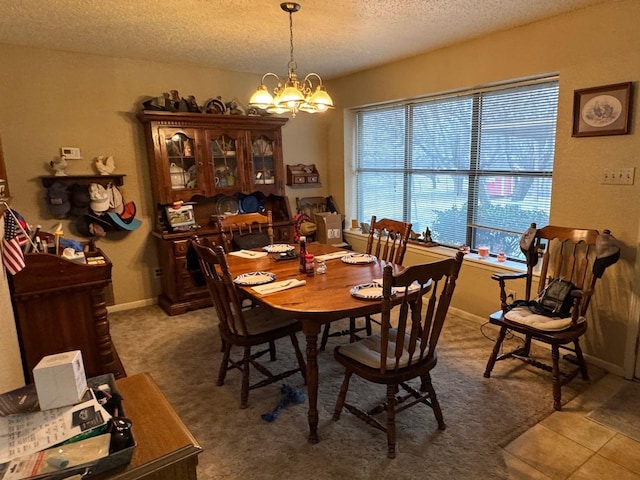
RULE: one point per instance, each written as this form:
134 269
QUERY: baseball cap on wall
80 199
126 220
91 225
58 200
116 202
99 198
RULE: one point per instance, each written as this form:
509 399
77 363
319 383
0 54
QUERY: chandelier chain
292 62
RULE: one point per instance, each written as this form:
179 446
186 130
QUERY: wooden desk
60 306
165 449
325 298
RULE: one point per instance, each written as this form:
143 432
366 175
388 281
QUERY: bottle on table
303 253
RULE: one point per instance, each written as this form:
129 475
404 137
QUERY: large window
475 167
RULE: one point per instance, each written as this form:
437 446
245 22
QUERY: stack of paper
27 433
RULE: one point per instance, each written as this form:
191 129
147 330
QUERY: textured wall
596 46
11 375
54 99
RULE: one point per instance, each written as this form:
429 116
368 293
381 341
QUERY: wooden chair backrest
420 318
388 239
566 253
224 295
243 223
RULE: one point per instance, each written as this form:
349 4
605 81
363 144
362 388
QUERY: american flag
12 242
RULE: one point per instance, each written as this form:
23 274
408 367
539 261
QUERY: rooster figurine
59 165
105 165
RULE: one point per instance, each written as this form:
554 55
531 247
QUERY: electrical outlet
608 176
158 272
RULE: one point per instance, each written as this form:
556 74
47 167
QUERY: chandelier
291 94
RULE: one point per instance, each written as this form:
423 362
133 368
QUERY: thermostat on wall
70 153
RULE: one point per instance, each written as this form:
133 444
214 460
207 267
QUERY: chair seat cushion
262 319
524 316
367 351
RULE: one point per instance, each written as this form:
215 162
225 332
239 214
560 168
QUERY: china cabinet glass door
182 164
264 171
226 161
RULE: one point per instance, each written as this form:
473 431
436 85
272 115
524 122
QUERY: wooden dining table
324 298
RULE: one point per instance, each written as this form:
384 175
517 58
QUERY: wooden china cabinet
220 164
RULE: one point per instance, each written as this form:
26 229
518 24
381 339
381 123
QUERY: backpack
554 301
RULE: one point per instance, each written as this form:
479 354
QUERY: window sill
490 263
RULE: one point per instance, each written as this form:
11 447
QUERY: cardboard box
329 227
60 379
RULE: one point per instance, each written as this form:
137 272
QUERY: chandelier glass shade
292 95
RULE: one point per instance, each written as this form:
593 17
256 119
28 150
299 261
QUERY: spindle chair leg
246 363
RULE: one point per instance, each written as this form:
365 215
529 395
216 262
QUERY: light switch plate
71 153
618 176
625 176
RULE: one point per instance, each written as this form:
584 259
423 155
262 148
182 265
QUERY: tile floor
569 445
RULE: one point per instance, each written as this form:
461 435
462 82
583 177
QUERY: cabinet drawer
185 286
298 179
180 248
282 234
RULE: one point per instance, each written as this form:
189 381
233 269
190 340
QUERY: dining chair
576 255
405 348
245 231
387 241
257 327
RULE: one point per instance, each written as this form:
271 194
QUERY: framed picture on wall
602 110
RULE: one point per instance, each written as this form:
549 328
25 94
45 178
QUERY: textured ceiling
331 37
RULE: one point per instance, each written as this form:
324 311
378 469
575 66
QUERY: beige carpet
183 353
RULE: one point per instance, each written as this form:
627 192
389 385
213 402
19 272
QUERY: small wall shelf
302 175
67 180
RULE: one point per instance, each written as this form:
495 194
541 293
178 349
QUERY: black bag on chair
554 301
